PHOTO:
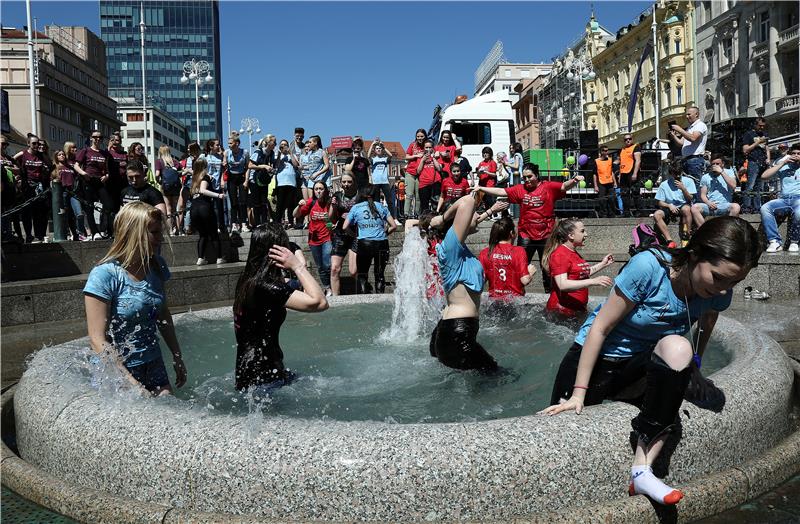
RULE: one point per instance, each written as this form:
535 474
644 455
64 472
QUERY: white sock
644 482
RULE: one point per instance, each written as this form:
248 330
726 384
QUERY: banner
341 142
648 48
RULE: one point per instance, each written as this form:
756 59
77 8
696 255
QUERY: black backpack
170 177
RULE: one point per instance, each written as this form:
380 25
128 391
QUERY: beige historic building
526 112
71 85
608 95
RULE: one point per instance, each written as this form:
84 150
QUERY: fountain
374 428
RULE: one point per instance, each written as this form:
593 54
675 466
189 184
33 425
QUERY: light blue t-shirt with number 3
134 308
658 311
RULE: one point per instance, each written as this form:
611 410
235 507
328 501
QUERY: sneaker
245 228
36 241
774 246
759 295
748 292
328 293
672 244
220 261
84 238
794 248
97 236
235 228
202 262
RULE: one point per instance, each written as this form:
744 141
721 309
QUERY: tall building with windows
176 31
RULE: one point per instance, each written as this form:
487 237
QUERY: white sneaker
794 248
202 262
220 261
97 236
774 246
245 228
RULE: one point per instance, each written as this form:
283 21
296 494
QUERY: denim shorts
722 209
152 375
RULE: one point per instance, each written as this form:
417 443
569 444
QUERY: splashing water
415 314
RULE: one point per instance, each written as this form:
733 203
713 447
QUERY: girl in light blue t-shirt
638 333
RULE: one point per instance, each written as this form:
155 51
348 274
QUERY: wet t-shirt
504 268
259 358
452 191
318 231
562 261
95 163
457 264
536 208
370 226
134 308
343 204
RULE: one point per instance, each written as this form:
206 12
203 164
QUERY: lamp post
199 72
250 125
580 68
142 28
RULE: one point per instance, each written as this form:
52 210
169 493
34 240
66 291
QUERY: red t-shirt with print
318 232
563 260
449 150
537 208
413 149
452 191
428 176
487 180
504 267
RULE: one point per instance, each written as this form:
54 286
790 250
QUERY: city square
237 286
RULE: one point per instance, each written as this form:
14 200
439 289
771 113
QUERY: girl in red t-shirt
504 264
487 175
569 272
445 152
320 225
430 180
453 187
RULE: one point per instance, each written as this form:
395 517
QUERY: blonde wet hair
131 248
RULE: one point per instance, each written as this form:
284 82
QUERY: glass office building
176 31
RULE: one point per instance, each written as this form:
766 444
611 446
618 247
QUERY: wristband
579 387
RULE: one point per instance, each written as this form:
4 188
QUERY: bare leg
336 270
658 216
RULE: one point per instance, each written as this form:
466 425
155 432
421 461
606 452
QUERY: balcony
788 103
787 39
760 50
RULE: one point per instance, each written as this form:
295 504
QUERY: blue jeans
322 258
694 166
781 206
754 183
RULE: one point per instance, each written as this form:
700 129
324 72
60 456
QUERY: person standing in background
756 151
630 159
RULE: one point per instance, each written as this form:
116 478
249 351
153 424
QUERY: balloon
570 160
582 160
582 184
648 184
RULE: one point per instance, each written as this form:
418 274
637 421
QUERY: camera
671 123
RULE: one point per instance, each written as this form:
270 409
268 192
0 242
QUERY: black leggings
659 404
369 251
34 216
287 200
536 247
454 343
238 198
204 221
95 191
606 200
429 196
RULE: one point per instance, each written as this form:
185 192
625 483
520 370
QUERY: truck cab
485 120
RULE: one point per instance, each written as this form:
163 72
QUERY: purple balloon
582 160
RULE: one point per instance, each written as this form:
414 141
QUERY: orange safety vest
626 160
604 171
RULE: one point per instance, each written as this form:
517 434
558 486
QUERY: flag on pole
648 48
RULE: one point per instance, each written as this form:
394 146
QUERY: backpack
644 237
170 177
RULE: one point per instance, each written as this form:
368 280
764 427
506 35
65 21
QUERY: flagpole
144 85
31 82
655 73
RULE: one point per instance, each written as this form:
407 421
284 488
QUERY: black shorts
454 342
669 217
171 190
342 243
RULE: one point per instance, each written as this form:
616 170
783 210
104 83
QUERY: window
135 133
591 96
763 26
51 106
677 46
67 114
727 50
134 117
525 73
765 91
507 73
507 87
53 133
708 61
668 93
477 133
679 95
60 110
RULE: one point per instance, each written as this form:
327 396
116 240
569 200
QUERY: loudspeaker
651 161
588 139
566 144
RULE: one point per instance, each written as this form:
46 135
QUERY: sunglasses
97 137
628 139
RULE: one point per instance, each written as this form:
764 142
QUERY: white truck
485 120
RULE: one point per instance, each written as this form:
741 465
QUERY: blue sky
368 68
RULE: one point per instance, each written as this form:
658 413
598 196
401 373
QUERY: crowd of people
635 335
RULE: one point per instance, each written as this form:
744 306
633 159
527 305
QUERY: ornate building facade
609 94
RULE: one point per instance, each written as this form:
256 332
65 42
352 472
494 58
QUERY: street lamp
193 70
250 125
580 68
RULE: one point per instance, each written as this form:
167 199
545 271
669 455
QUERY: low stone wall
161 453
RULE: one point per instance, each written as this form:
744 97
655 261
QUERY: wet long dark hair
432 233
730 239
503 229
367 194
259 269
560 234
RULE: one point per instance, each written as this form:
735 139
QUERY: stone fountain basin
162 452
